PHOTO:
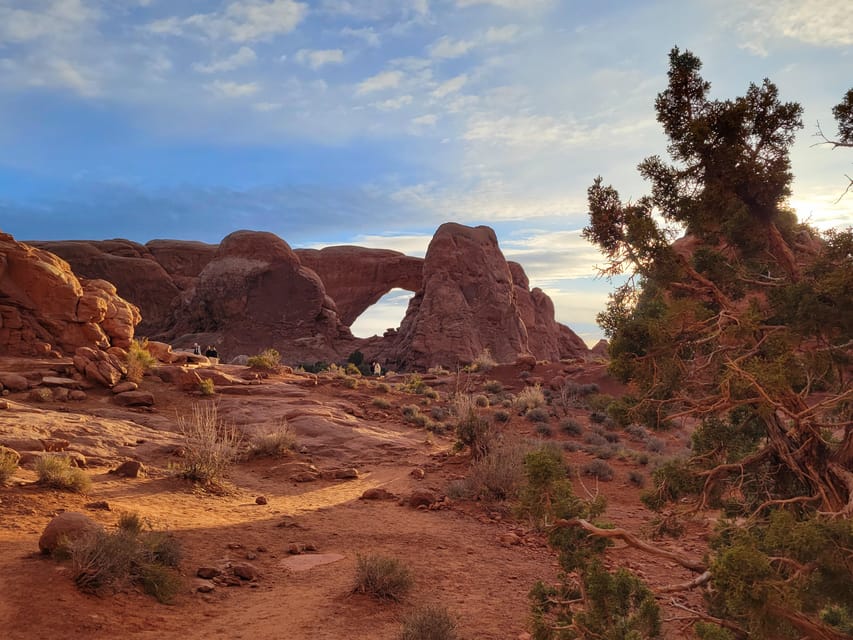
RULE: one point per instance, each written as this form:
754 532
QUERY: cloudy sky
371 122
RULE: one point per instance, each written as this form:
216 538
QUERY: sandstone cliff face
45 307
357 277
255 294
467 303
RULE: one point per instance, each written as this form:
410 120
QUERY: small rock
7 452
261 549
246 571
510 540
297 548
377 493
65 528
4 404
251 556
54 444
127 385
77 395
261 500
208 572
14 382
346 474
235 545
205 588
99 505
129 469
134 399
418 474
421 498
305 476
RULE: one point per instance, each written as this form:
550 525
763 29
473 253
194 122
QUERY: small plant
273 441
493 386
133 554
40 394
637 479
414 385
501 416
350 383
438 371
383 387
530 398
481 400
498 474
544 429
595 440
571 427
139 360
655 445
8 464
438 413
206 387
472 430
598 469
430 393
381 403
484 361
429 622
267 360
210 446
57 472
381 577
597 417
537 414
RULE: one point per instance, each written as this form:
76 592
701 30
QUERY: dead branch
739 631
632 540
698 581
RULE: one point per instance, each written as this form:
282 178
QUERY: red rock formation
44 306
255 294
467 304
356 277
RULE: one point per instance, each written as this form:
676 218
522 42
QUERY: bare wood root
698 581
632 540
739 631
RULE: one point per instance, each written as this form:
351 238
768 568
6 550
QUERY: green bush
501 416
139 360
268 360
481 400
382 577
429 622
381 403
537 414
571 427
57 472
598 469
493 386
206 387
544 429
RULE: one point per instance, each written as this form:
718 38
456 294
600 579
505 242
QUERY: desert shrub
530 398
597 417
8 464
637 433
711 631
210 446
438 413
40 394
484 361
537 414
356 358
206 387
383 387
133 554
438 371
571 427
673 479
269 360
547 492
272 441
431 393
139 360
381 403
544 429
493 386
595 440
316 367
603 453
598 469
481 400
429 622
352 370
498 474
655 445
414 384
501 416
571 446
636 478
57 472
611 437
349 382
382 577
410 410
472 430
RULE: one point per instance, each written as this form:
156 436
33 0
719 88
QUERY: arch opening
386 313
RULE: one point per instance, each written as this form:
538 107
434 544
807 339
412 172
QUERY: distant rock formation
472 299
255 294
44 306
253 291
357 277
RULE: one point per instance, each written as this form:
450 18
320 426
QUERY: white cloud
520 5
427 120
316 58
365 33
410 244
821 23
392 104
380 82
265 107
53 18
242 21
232 89
242 57
445 47
501 35
451 86
64 73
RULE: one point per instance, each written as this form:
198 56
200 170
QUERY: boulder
65 528
134 399
14 382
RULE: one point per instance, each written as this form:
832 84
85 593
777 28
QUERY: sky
372 122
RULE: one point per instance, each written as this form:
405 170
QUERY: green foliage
711 631
206 387
58 472
133 554
355 358
843 113
673 479
139 360
382 577
267 360
429 622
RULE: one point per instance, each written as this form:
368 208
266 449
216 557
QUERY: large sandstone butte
252 292
471 299
44 306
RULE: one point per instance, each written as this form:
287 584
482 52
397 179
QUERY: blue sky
373 121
